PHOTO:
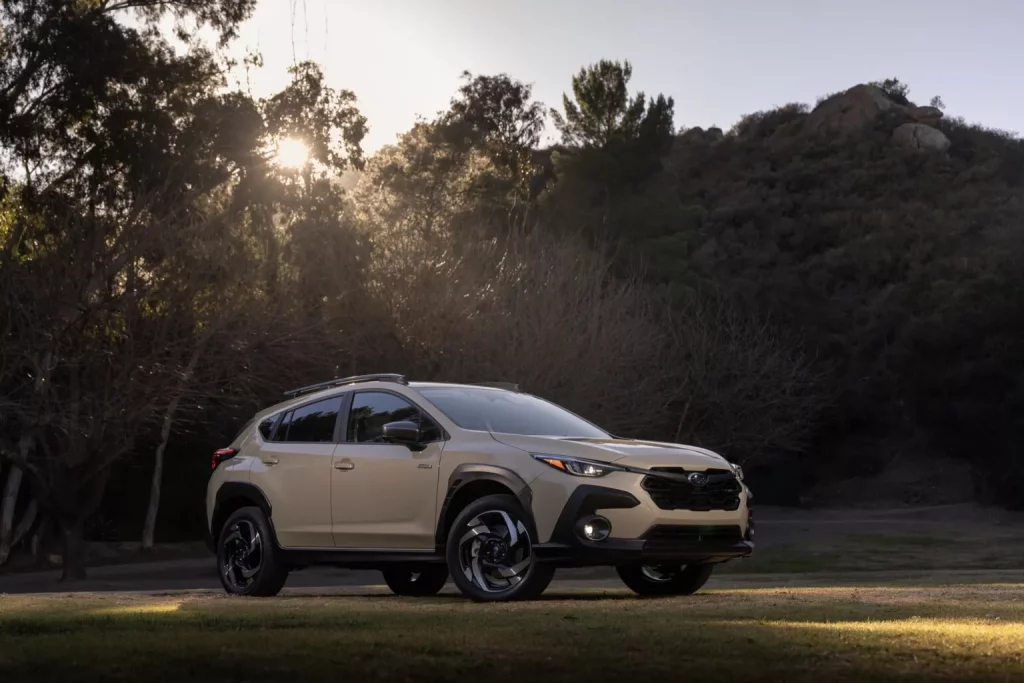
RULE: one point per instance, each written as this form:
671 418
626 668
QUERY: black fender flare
233 491
466 474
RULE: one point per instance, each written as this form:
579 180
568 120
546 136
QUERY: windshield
508 413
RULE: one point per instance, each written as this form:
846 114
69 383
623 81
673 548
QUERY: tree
108 167
602 114
613 145
100 126
497 114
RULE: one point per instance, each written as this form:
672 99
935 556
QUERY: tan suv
492 485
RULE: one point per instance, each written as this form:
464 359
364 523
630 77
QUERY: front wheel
416 581
661 580
490 552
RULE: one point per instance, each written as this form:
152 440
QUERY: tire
490 552
661 580
417 582
246 556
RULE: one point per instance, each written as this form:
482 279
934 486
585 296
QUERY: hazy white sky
720 59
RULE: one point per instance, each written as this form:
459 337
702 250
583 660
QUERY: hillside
900 263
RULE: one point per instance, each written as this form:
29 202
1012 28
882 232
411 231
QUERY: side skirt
356 559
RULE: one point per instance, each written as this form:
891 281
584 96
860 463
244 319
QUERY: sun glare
292 153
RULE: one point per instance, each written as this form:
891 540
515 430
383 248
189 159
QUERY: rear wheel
246 557
655 580
416 581
490 552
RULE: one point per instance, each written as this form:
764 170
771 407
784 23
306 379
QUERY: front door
384 495
294 472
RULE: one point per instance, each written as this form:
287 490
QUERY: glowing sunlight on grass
140 608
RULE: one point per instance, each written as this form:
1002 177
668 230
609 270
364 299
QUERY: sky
719 59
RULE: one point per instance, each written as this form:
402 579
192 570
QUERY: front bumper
687 543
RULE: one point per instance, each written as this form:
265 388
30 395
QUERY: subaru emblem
698 479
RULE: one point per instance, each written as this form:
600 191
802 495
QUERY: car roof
342 388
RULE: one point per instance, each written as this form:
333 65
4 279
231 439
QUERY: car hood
631 452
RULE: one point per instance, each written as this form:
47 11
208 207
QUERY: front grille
722 492
668 536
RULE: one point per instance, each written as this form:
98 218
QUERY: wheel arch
471 481
234 495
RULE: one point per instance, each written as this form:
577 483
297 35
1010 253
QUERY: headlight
737 470
577 466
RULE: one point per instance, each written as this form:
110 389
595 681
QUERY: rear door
294 471
385 495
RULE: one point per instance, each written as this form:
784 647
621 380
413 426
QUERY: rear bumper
659 544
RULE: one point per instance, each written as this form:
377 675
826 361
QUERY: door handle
270 461
344 465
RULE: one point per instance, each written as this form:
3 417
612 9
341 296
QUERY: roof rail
400 379
509 386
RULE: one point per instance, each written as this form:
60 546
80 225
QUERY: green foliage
498 116
601 113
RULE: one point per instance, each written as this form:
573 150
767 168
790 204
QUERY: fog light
595 528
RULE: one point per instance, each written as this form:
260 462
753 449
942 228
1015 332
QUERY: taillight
221 455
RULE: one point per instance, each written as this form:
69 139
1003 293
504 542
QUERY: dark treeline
807 298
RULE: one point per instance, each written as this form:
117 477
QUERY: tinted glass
372 410
313 423
508 413
282 429
267 426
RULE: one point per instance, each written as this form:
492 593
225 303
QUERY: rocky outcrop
699 135
927 115
918 136
850 110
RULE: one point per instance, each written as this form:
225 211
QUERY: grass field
945 548
923 633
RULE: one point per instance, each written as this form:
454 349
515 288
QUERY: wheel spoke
478 576
478 530
513 533
514 570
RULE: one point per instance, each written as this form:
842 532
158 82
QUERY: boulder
699 135
918 136
927 115
850 110
695 134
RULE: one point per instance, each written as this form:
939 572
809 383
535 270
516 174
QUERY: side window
313 423
267 427
372 410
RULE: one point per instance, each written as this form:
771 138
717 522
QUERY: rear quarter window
267 427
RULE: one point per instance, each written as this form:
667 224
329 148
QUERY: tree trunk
149 527
40 541
25 525
74 550
10 498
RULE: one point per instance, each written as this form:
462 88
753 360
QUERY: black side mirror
403 432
